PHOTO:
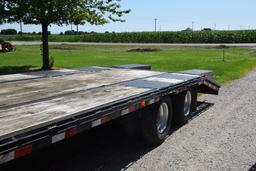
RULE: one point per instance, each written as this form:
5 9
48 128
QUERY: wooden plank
30 115
12 77
50 73
32 90
34 75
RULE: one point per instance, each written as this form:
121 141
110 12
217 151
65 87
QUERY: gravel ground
223 138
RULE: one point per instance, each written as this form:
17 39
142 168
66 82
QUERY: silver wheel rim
187 103
162 118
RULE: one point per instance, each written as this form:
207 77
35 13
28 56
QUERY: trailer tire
156 121
184 105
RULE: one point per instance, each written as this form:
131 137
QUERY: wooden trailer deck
32 99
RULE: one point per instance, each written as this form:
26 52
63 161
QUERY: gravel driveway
222 138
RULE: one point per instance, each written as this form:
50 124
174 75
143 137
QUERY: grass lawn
238 60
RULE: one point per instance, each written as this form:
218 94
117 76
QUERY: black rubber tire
148 123
194 98
179 117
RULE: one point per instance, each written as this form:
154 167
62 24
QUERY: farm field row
243 36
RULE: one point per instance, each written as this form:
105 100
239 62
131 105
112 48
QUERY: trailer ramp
207 85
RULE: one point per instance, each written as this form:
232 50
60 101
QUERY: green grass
238 60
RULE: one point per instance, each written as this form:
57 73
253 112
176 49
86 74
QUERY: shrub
9 32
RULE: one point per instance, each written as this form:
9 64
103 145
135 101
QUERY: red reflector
71 132
142 104
104 119
132 108
23 151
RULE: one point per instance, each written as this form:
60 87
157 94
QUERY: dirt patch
144 50
64 47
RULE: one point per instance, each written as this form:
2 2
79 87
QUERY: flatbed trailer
38 109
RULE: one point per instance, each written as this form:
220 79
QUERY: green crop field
243 36
238 61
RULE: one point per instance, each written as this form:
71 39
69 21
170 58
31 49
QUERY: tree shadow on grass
15 69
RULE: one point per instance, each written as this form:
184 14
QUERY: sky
172 15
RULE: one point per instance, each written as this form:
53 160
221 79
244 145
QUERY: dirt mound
65 47
144 50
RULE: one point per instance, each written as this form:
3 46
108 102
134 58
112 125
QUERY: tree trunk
77 29
46 61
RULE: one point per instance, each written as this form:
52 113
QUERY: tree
9 32
206 29
188 29
60 12
2 17
77 20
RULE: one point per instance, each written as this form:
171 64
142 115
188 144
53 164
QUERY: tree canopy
60 12
2 17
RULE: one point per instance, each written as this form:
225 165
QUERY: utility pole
193 25
155 23
215 27
71 29
21 28
229 27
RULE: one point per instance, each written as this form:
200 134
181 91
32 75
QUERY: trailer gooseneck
41 108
